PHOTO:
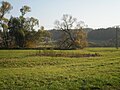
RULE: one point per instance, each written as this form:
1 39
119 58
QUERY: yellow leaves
30 44
6 6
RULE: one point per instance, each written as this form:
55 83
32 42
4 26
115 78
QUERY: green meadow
24 70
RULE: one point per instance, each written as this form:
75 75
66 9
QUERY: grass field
21 70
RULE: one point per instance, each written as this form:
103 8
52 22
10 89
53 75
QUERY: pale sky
95 13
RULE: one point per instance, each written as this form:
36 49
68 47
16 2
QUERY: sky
95 13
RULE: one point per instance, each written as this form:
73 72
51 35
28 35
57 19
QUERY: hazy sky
95 13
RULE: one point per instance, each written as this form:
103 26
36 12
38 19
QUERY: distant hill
103 37
56 34
99 37
87 30
102 34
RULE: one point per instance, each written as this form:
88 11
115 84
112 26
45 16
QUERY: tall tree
22 28
5 8
17 27
73 35
25 9
30 32
16 31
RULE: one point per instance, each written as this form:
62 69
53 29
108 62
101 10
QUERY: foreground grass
21 71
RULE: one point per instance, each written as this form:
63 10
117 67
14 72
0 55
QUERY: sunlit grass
19 70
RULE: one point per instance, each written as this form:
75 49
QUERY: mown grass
19 70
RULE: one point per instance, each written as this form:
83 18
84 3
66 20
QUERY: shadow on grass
52 53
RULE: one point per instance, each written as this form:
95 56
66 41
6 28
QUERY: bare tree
72 32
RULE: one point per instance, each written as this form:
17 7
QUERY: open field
19 70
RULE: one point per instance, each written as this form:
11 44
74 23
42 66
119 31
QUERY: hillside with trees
104 37
96 37
68 33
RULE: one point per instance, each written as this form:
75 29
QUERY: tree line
20 32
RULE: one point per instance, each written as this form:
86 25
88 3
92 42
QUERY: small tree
73 35
43 36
